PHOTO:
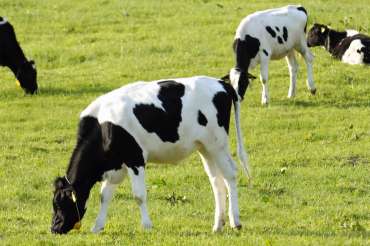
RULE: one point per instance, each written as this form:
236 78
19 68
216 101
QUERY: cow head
317 34
27 77
68 208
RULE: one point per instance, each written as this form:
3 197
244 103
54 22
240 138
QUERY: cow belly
169 152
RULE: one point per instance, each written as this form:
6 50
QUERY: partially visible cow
12 56
160 121
348 46
271 34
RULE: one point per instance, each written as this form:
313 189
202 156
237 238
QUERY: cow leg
219 191
308 57
228 170
293 69
139 192
109 185
264 79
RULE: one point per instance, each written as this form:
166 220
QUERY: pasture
310 156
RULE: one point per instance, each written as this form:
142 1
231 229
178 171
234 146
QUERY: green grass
86 48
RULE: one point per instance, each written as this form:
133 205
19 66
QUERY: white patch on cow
3 21
351 32
353 54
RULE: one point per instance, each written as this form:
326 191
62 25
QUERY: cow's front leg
111 181
293 69
264 80
219 191
139 191
106 195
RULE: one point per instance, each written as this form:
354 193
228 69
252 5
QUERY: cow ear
58 183
226 78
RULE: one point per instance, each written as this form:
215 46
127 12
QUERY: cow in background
269 35
12 56
348 46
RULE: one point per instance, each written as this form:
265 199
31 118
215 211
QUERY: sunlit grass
86 48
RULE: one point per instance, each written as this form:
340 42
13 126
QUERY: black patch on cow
303 10
230 89
1 18
202 120
222 103
277 29
285 33
271 31
102 147
119 147
265 52
280 40
165 122
245 50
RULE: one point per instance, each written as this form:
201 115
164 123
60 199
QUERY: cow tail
242 154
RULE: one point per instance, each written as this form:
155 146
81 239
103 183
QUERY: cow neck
15 57
15 65
80 181
333 40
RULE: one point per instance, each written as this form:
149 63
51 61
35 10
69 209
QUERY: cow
269 35
160 121
12 56
348 46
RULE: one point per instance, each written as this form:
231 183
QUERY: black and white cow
12 56
271 34
160 121
349 46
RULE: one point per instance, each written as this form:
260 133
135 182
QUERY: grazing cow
349 46
160 121
12 56
266 35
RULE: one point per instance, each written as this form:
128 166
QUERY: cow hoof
147 226
238 227
291 95
218 226
313 91
97 229
217 229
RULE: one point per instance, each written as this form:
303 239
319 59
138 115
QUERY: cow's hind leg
264 73
219 191
293 69
137 176
228 170
109 185
308 57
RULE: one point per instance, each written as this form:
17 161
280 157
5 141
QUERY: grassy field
88 47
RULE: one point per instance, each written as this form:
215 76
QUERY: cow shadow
344 104
75 91
319 234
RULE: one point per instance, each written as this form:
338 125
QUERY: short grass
88 47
